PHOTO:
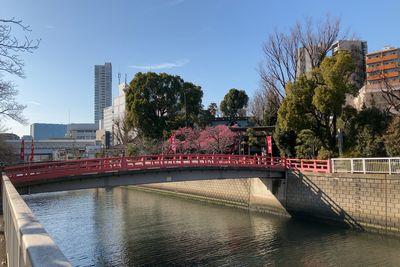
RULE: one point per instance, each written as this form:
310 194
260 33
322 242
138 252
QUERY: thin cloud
34 103
166 65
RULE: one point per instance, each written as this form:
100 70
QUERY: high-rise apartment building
358 50
102 90
383 67
304 64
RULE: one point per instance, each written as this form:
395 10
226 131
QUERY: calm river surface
124 227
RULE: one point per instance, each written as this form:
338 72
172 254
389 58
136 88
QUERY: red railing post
328 169
123 163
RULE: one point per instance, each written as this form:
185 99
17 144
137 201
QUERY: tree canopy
159 103
392 137
315 102
234 101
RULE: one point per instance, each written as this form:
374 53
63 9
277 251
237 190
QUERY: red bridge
89 173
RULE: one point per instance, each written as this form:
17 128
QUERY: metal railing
366 165
37 172
27 242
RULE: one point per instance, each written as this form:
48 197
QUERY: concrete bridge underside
141 177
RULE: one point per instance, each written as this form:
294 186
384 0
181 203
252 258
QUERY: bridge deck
45 171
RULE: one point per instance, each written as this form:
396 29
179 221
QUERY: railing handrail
86 166
382 165
27 242
378 158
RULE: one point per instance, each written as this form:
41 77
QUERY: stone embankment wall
363 201
252 193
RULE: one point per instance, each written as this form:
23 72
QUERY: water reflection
122 227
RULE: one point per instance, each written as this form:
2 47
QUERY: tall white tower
102 90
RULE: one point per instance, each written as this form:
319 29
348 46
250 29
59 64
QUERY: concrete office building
82 131
102 90
44 131
358 50
62 149
116 112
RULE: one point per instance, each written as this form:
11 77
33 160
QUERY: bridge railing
366 165
27 242
29 173
309 165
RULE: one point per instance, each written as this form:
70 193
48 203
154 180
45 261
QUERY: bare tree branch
123 134
391 94
11 47
8 105
281 51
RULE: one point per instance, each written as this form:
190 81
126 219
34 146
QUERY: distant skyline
215 44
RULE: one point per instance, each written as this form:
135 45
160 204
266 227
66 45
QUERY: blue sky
213 43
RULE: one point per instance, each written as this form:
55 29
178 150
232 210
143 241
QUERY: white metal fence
366 165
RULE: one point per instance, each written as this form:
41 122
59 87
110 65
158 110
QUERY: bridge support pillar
268 195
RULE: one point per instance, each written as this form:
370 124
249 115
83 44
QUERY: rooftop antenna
126 79
119 77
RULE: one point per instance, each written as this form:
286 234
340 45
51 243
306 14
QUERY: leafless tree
9 108
257 106
391 94
123 133
281 51
264 106
11 48
317 39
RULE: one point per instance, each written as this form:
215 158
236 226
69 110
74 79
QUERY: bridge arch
106 172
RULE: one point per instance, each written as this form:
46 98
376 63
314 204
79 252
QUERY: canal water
125 227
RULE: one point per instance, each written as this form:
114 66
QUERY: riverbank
368 202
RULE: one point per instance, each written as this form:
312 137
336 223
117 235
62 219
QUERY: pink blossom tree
187 140
214 140
218 140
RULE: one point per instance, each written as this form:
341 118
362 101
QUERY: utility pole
184 98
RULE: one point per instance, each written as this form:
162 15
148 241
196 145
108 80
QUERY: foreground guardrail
366 165
27 242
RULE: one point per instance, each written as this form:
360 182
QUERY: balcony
390 57
373 60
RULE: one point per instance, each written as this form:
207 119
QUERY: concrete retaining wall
363 201
264 195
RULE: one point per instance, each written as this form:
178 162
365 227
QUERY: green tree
316 102
307 144
159 103
359 127
234 101
251 139
369 144
392 137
